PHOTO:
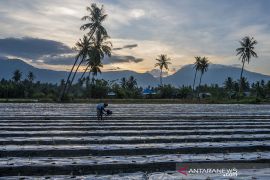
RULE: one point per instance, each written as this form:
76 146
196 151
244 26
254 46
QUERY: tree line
87 88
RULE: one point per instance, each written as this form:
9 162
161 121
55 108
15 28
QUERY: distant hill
184 76
216 74
7 67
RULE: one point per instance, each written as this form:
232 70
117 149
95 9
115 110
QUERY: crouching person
101 110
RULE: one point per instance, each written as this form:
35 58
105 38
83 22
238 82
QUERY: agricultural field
139 141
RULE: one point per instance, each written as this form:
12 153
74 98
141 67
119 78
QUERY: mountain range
216 74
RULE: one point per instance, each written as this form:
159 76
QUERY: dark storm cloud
32 48
121 59
64 59
129 46
69 59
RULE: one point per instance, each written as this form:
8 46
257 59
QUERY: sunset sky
42 32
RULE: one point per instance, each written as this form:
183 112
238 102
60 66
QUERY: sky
43 33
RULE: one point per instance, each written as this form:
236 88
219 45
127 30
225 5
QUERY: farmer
101 110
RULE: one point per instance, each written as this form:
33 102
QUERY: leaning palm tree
85 70
163 62
246 51
196 66
82 47
95 19
204 64
100 48
95 68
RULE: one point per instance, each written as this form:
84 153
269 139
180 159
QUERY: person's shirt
100 106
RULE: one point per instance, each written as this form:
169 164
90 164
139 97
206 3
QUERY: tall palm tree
82 47
31 76
95 19
196 66
244 84
204 64
246 51
99 49
228 84
163 62
95 65
17 75
85 70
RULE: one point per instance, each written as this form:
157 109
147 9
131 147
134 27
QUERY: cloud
137 13
32 48
129 46
60 59
48 52
121 59
113 69
185 28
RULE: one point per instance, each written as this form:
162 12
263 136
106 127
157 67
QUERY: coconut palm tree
82 47
100 48
95 19
163 62
246 51
228 84
17 75
204 64
95 65
31 76
85 70
196 66
244 84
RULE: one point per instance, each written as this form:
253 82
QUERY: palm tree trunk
93 77
161 77
89 75
74 75
194 80
84 72
200 84
200 79
65 87
240 81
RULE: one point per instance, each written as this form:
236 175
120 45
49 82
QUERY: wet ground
140 141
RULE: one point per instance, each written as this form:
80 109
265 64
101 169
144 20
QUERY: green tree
100 48
229 84
83 48
197 65
244 84
30 76
94 25
17 75
204 64
95 19
162 62
245 52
